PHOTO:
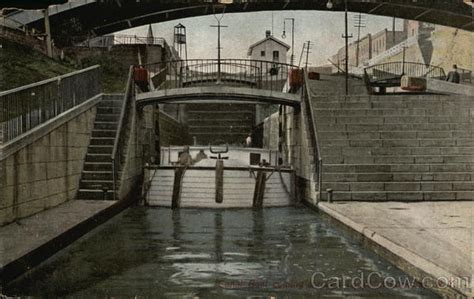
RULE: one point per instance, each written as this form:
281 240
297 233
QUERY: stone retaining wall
43 169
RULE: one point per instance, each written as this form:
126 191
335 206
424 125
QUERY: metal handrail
260 74
26 107
116 151
397 69
306 97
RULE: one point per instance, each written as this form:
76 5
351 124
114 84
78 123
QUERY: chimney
268 33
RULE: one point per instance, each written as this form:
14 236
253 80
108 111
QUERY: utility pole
219 26
47 28
292 58
393 32
308 47
359 22
346 36
403 61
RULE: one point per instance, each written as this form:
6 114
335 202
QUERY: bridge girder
108 16
217 94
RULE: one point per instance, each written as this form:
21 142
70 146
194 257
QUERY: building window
276 56
262 53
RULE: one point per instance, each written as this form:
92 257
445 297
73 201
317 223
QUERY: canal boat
235 177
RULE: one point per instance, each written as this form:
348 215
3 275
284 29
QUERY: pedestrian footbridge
210 81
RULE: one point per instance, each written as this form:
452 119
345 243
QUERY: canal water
277 252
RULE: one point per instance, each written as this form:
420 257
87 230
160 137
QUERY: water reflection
150 252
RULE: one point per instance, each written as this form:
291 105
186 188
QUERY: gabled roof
266 39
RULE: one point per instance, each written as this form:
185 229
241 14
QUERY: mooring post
259 189
219 181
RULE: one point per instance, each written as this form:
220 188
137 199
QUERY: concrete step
405 159
364 128
421 112
401 186
98 166
111 103
398 151
96 184
102 141
216 122
396 168
107 117
219 130
388 104
398 176
106 125
381 134
104 133
380 120
397 98
100 149
94 194
109 109
400 195
96 175
377 143
98 157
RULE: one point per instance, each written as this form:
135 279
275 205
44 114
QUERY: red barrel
140 75
413 83
313 76
295 77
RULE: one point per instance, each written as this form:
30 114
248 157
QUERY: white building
269 49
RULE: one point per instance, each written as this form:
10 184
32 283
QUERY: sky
324 30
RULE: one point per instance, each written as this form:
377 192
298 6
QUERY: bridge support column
47 28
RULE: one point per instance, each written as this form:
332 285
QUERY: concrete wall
299 153
140 149
172 132
41 169
270 132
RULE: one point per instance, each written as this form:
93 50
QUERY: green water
155 253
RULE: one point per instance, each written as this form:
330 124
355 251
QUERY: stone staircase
397 147
96 179
223 123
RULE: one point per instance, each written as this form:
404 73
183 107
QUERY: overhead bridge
217 94
85 17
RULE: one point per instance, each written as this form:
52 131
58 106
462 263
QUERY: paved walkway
435 237
23 237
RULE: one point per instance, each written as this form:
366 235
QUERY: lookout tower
179 41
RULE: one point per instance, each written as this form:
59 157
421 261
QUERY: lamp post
292 58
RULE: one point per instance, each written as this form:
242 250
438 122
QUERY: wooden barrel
413 83
140 75
313 76
295 77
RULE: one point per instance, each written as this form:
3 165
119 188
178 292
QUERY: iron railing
113 40
122 131
308 107
393 71
26 107
258 74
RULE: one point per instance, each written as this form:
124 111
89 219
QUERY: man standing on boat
185 158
